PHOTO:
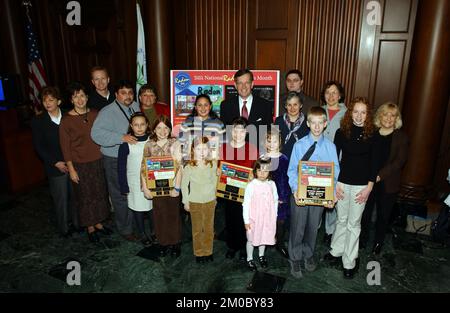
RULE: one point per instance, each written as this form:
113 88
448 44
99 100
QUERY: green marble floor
30 247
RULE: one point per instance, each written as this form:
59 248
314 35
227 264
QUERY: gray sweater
335 123
110 126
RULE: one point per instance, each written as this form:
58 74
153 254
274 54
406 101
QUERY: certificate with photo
315 183
232 181
159 174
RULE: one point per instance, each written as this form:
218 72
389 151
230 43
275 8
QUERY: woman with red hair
355 181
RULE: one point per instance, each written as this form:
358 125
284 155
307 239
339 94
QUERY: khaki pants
345 241
202 218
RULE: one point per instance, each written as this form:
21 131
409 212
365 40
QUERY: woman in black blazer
392 144
45 131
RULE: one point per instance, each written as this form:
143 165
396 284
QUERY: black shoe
283 251
251 265
209 258
263 261
175 251
93 237
349 273
104 231
163 250
199 259
146 242
230 254
331 259
376 248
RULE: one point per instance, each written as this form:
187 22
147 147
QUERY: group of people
95 153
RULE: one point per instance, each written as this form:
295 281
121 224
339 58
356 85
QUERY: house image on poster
184 102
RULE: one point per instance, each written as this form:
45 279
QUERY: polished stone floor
30 252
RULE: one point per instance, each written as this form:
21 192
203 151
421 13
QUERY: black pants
139 221
236 237
384 203
64 211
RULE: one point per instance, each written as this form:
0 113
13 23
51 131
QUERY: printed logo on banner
182 80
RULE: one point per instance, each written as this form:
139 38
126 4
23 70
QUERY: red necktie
244 110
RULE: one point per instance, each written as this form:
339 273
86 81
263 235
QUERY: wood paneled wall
319 37
106 36
328 41
272 34
217 34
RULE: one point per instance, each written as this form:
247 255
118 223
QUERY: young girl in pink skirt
260 212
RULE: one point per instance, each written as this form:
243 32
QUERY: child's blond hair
317 111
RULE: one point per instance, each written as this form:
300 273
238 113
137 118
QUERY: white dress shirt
56 119
248 104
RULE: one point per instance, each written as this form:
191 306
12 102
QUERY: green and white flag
141 71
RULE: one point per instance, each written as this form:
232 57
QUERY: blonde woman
392 144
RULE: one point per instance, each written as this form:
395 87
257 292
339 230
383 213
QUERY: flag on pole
140 58
36 73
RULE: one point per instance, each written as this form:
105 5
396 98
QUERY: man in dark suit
257 110
294 82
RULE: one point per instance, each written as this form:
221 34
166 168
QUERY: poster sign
159 174
185 85
232 181
316 183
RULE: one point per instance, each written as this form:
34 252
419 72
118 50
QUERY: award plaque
159 174
232 181
315 183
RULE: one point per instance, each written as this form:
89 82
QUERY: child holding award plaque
166 213
305 218
238 152
198 186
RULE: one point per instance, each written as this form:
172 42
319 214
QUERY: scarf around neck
295 127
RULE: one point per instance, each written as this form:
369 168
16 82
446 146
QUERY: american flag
36 73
